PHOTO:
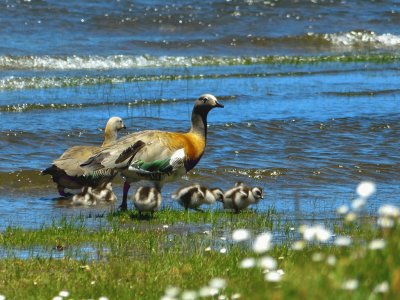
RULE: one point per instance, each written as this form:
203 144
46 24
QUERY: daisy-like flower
222 297
103 298
273 276
365 189
342 210
382 288
172 291
247 263
389 211
350 285
2 297
189 295
350 217
331 260
240 235
166 297
217 283
318 233
222 250
317 257
64 294
58 298
267 262
298 245
343 241
236 296
377 244
207 291
385 222
207 249
263 242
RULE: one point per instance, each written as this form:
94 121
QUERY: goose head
257 193
205 103
115 124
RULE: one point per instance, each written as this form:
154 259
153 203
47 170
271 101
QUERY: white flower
280 272
222 297
350 284
166 297
236 296
343 241
222 250
317 232
389 211
207 291
331 260
172 291
207 249
2 297
240 235
298 245
273 276
247 263
57 298
189 295
217 283
342 210
382 287
262 242
103 298
267 262
317 257
358 203
366 189
350 217
165 226
385 222
64 294
377 244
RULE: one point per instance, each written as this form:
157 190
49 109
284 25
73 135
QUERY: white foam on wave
90 62
363 38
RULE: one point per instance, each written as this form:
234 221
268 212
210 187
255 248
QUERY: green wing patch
156 166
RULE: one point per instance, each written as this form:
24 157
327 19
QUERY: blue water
310 90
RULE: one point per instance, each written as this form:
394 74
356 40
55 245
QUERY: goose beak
217 104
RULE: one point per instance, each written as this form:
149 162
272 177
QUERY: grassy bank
125 257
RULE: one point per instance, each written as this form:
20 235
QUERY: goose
66 171
195 195
147 199
241 196
156 156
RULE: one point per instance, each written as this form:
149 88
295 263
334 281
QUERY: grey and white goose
156 156
147 199
66 171
193 196
241 196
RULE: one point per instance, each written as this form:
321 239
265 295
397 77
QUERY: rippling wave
128 62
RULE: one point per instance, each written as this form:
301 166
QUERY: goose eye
205 99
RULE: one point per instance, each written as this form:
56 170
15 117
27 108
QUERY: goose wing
146 151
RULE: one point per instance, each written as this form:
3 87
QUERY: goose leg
61 191
124 204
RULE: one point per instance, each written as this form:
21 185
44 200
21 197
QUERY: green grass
125 257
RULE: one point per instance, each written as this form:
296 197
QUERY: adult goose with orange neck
66 171
158 156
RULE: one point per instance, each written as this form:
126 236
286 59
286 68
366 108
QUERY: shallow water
311 102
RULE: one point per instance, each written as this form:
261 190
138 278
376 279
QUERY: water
310 91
